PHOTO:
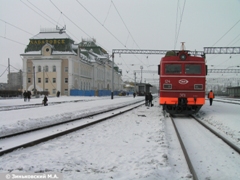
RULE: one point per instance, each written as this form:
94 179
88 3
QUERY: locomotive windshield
193 69
173 68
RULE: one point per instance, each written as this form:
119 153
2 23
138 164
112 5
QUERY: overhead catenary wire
37 12
179 27
13 41
107 13
15 27
226 33
103 25
48 17
124 24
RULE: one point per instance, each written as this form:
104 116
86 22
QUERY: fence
76 92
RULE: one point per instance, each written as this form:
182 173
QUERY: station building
234 91
53 62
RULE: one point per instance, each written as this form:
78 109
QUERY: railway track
205 149
36 136
28 106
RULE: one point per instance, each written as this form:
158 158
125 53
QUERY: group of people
148 99
27 95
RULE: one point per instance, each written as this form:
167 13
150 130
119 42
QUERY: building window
66 91
39 69
46 68
29 80
54 80
66 69
29 69
46 80
39 80
54 91
66 80
54 69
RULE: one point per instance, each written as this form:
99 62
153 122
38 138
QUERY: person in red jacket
211 97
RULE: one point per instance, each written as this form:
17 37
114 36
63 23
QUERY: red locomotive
182 82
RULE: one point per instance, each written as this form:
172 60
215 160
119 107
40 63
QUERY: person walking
29 95
58 93
25 96
150 98
211 97
134 94
45 100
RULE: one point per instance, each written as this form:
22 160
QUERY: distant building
233 91
3 86
15 81
52 62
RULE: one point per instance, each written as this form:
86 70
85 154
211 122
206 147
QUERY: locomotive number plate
182 95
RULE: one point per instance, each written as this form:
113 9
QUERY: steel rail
64 122
58 134
229 143
190 166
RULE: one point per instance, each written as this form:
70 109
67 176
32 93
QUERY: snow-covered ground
140 144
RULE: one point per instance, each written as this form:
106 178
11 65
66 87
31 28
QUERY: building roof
51 35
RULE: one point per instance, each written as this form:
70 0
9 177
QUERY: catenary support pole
112 75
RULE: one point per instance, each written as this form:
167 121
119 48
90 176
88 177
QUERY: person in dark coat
25 96
211 97
45 100
58 93
146 99
134 94
29 95
150 98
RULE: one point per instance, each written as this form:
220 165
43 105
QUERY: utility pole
34 91
112 75
43 78
8 71
141 67
134 81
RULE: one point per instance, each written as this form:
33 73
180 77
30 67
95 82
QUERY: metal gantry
223 70
149 51
207 50
221 50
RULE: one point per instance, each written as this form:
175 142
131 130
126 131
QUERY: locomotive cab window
193 69
173 68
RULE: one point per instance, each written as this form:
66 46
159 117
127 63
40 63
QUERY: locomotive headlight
167 86
183 57
198 86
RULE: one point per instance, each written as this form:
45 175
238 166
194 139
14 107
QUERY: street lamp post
141 67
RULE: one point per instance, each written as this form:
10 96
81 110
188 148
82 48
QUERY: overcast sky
120 24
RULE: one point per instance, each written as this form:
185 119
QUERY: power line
16 27
103 25
37 12
4 72
100 23
226 32
179 24
125 24
107 13
48 17
13 40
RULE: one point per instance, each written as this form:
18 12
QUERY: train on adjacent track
182 82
